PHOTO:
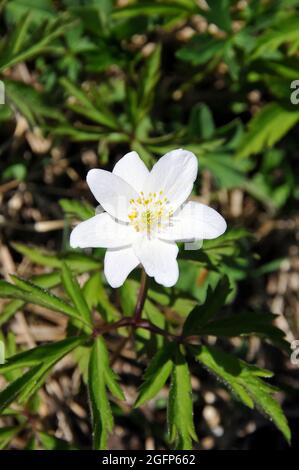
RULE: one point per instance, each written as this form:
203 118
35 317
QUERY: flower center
150 214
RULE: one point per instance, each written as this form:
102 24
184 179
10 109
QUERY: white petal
195 221
174 174
133 170
102 231
118 264
112 192
158 259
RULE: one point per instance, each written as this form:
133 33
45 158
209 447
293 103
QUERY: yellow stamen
150 214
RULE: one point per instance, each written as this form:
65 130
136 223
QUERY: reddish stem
141 297
136 321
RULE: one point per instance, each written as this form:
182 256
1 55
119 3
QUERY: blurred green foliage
157 75
213 77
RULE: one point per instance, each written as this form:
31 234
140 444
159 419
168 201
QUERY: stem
147 325
130 321
141 297
136 320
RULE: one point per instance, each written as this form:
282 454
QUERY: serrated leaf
200 315
156 374
43 280
245 382
113 385
74 291
101 412
111 378
92 289
99 377
248 323
13 390
180 406
26 385
41 353
25 290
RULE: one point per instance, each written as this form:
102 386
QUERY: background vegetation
85 82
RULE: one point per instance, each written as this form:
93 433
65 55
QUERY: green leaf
39 296
150 8
81 210
47 280
76 261
9 310
99 377
284 31
101 412
128 293
12 391
110 377
86 107
91 289
19 35
245 382
201 314
113 385
7 434
96 296
156 374
39 9
36 356
180 406
73 290
51 32
157 317
247 323
266 128
143 152
149 79
43 280
53 443
202 49
219 13
30 103
227 170
28 292
16 171
201 124
26 385
31 443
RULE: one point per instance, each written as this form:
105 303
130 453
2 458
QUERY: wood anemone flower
142 215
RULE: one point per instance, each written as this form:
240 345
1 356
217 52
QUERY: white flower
144 215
